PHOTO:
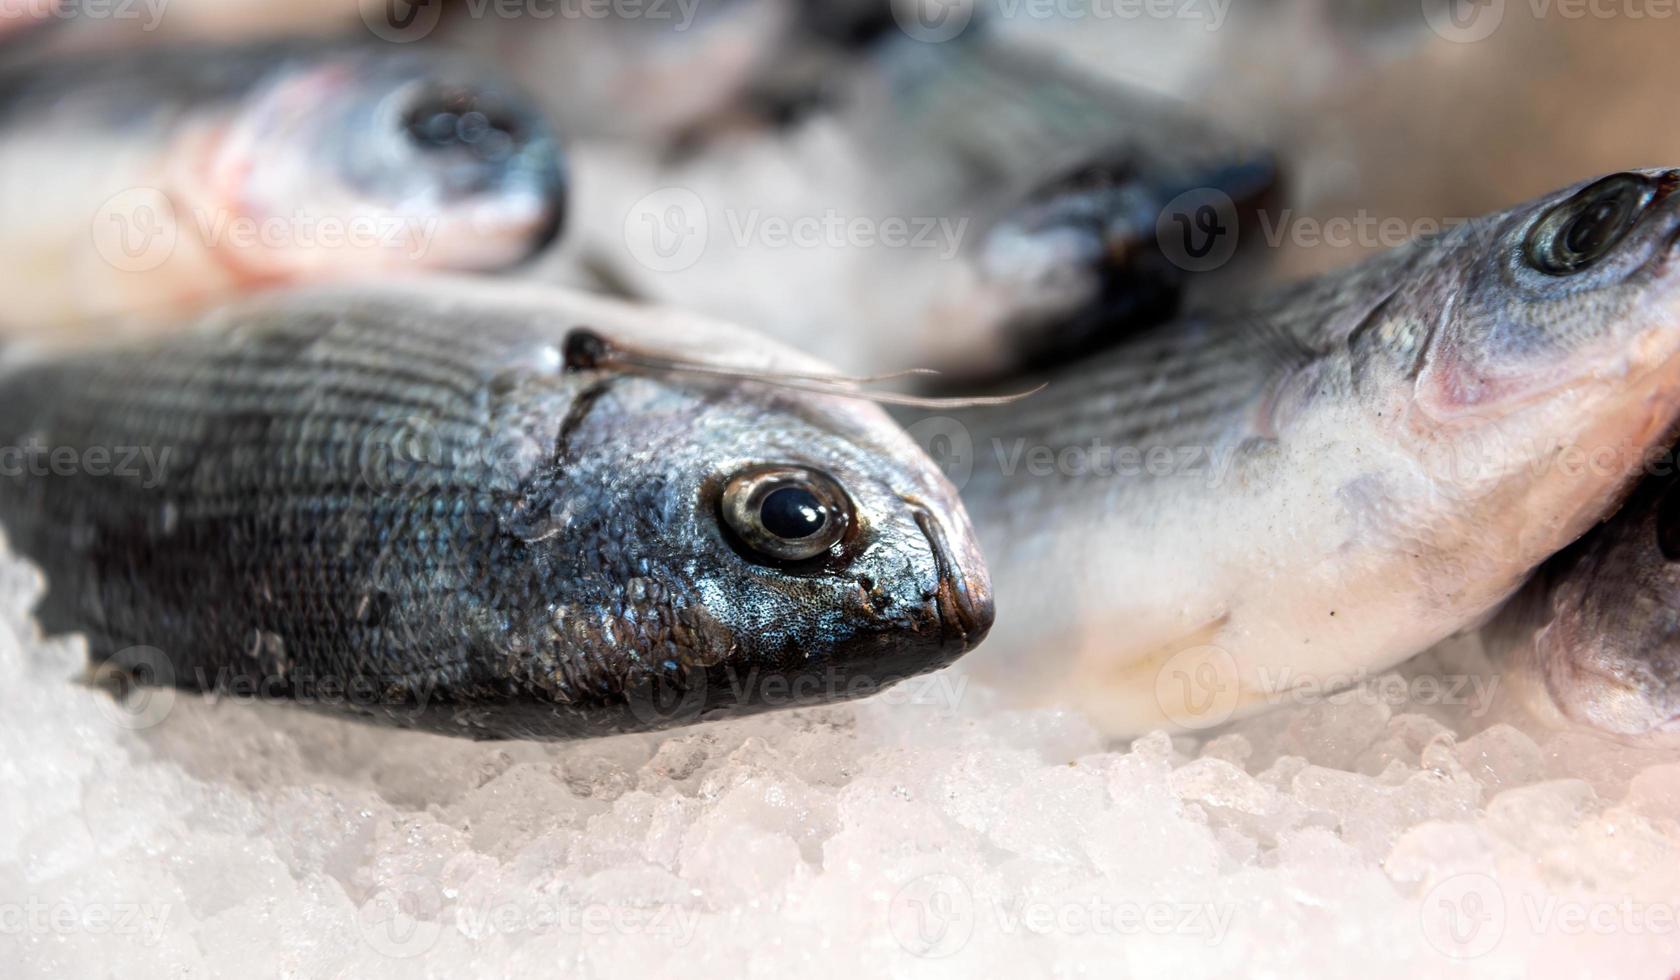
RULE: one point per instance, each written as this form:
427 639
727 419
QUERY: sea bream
157 181
971 206
1324 481
464 507
1593 640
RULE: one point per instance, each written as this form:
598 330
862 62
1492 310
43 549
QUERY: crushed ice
930 833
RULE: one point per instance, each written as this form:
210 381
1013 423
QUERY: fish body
419 506
979 207
158 181
1325 481
1593 640
651 77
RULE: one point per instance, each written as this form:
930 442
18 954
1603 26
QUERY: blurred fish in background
158 181
969 205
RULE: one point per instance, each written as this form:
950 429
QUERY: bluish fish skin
163 180
422 496
1331 477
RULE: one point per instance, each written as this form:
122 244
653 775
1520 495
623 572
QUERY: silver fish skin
159 181
980 207
1257 501
650 78
1593 639
436 506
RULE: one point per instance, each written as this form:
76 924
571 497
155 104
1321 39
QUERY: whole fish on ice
1332 478
441 506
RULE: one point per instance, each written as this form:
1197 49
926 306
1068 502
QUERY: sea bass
1251 503
1593 639
449 506
156 182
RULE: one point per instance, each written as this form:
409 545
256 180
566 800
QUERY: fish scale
1361 465
411 491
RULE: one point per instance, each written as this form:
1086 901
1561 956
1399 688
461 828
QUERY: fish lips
955 616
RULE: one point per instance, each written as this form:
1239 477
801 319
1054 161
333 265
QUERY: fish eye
786 513
1580 231
463 120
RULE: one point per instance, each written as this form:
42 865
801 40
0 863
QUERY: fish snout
962 596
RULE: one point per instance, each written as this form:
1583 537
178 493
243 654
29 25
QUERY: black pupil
792 512
1592 229
462 122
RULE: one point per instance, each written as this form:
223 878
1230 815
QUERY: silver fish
651 74
441 506
157 181
1593 640
971 205
1328 480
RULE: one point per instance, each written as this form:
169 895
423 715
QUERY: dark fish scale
268 501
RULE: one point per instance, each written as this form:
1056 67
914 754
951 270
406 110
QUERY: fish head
355 162
1595 638
1572 298
1529 362
733 548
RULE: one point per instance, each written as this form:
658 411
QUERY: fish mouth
962 600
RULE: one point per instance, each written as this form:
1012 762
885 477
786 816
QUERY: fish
1296 490
1592 641
450 506
159 181
971 206
654 75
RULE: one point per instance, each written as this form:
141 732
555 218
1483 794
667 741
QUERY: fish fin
586 350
